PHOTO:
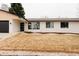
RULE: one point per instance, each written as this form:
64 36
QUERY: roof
10 13
54 19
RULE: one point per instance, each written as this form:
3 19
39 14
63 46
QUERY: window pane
36 25
64 24
49 25
29 25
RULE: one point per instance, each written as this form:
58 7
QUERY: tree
16 8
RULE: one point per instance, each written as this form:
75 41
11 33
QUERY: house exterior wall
4 15
25 26
73 28
14 26
14 21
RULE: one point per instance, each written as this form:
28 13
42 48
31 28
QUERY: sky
50 10
37 10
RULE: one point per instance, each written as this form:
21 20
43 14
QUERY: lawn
42 42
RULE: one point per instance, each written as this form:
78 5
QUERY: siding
73 28
14 26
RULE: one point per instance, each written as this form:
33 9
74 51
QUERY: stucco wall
73 28
25 26
14 26
4 15
14 22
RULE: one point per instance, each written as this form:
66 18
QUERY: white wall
14 26
25 26
73 28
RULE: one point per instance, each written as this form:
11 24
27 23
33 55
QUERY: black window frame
64 24
48 24
29 25
22 26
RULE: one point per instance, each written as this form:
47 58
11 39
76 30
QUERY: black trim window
34 25
29 25
21 26
64 24
49 25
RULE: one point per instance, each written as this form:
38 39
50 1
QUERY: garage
4 26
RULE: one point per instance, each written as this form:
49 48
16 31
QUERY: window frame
50 24
32 25
29 25
64 24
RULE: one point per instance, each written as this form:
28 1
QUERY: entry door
21 26
4 26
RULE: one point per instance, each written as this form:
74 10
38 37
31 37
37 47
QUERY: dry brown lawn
42 42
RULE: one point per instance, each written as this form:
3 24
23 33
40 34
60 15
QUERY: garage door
4 26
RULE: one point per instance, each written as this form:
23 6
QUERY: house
10 23
58 25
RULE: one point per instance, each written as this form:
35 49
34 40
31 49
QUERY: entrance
21 26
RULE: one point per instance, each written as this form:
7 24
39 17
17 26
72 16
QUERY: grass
42 42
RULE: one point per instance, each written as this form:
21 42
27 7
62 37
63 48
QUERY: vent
4 7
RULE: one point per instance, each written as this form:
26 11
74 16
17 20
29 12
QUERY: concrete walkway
7 35
31 53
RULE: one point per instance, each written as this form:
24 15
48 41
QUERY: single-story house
10 23
58 25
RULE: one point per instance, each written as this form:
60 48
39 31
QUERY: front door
21 26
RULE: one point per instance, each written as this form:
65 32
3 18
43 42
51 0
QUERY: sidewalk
31 53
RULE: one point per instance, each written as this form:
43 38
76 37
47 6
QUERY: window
64 24
29 25
21 26
34 25
49 25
